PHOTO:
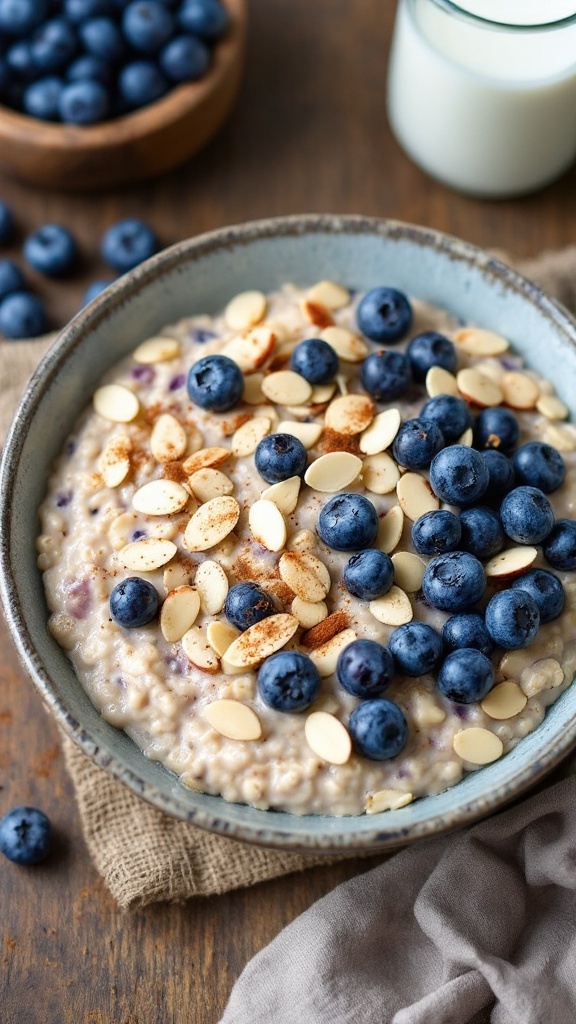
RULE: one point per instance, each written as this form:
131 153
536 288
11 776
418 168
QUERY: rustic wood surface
309 134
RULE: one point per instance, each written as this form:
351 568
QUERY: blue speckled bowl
199 276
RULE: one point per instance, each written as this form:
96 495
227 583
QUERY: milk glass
482 94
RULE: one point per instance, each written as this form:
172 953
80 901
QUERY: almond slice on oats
157 350
245 440
114 462
251 350
309 613
393 608
390 530
245 310
212 585
308 433
511 562
179 612
286 388
316 313
520 391
121 529
381 432
261 640
561 436
305 574
467 438
284 495
178 574
408 571
211 523
347 345
168 439
209 483
322 393
329 294
220 635
147 554
197 649
327 737
252 393
205 458
326 656
480 343
479 389
387 800
302 540
267 524
416 496
324 631
160 498
333 472
116 403
478 746
380 474
504 701
440 382
552 407
234 720
349 414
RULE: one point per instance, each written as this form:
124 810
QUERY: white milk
488 109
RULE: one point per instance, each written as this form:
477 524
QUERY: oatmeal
286 588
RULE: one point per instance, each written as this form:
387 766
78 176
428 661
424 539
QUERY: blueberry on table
378 729
386 375
315 360
147 25
540 465
22 315
369 574
527 515
436 532
496 428
450 413
416 648
94 290
501 475
482 533
466 676
545 588
417 442
467 630
84 102
205 18
127 243
246 604
11 278
384 314
431 349
20 17
280 456
348 522
365 668
184 59
6 223
25 835
453 582
41 99
134 602
288 681
54 45
51 249
560 545
102 38
141 83
459 475
216 383
512 619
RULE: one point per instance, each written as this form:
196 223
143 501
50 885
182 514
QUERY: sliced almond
157 350
114 462
480 343
305 574
211 523
390 530
252 393
520 391
329 294
246 439
380 474
168 439
178 574
387 800
440 382
328 738
284 495
316 313
209 483
479 389
160 498
121 529
220 635
309 613
505 701
286 388
322 393
416 496
467 438
245 310
393 608
478 746
212 585
510 562
561 436
333 472
308 433
197 649
320 634
326 656
205 458
267 525
347 346
408 571
251 350
179 612
116 403
349 414
552 407
381 432
147 554
234 720
261 640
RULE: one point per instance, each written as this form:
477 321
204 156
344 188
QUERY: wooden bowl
134 147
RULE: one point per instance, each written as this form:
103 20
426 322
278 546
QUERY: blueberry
51 249
430 349
454 582
540 465
20 61
205 18
85 102
450 413
369 574
560 545
459 475
54 45
280 456
545 588
466 676
78 11
365 668
127 243
102 38
502 477
416 443
378 729
526 515
512 619
11 278
134 602
22 315
288 681
417 648
20 17
6 223
216 383
467 630
141 83
482 533
89 67
147 25
436 532
246 604
348 522
25 835
384 314
496 428
94 290
41 99
315 360
386 375
184 59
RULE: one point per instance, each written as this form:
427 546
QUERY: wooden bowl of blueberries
97 93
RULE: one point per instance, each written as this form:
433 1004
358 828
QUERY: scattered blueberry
416 443
496 428
127 243
436 532
25 835
147 25
501 476
246 604
102 38
467 630
459 475
22 315
348 522
184 59
430 349
386 375
280 456
384 314
78 11
512 619
54 45
205 18
545 588
560 545
466 676
288 681
365 668
450 413
11 278
134 602
454 581
94 290
315 360
41 99
482 533
540 465
51 249
416 648
91 68
83 102
19 17
378 729
216 383
526 515
6 223
202 335
369 574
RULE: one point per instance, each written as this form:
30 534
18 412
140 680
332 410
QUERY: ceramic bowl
135 147
200 275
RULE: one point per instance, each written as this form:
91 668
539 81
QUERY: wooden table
309 134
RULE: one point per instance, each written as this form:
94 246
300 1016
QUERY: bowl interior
200 276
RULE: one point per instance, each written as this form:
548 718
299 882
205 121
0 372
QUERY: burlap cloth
143 855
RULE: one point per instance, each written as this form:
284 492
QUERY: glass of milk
482 94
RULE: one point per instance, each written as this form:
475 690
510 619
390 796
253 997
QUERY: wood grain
309 134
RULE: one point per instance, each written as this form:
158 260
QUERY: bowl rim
270 834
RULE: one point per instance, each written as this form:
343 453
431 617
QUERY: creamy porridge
152 486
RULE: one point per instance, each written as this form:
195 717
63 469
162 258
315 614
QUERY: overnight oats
316 553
